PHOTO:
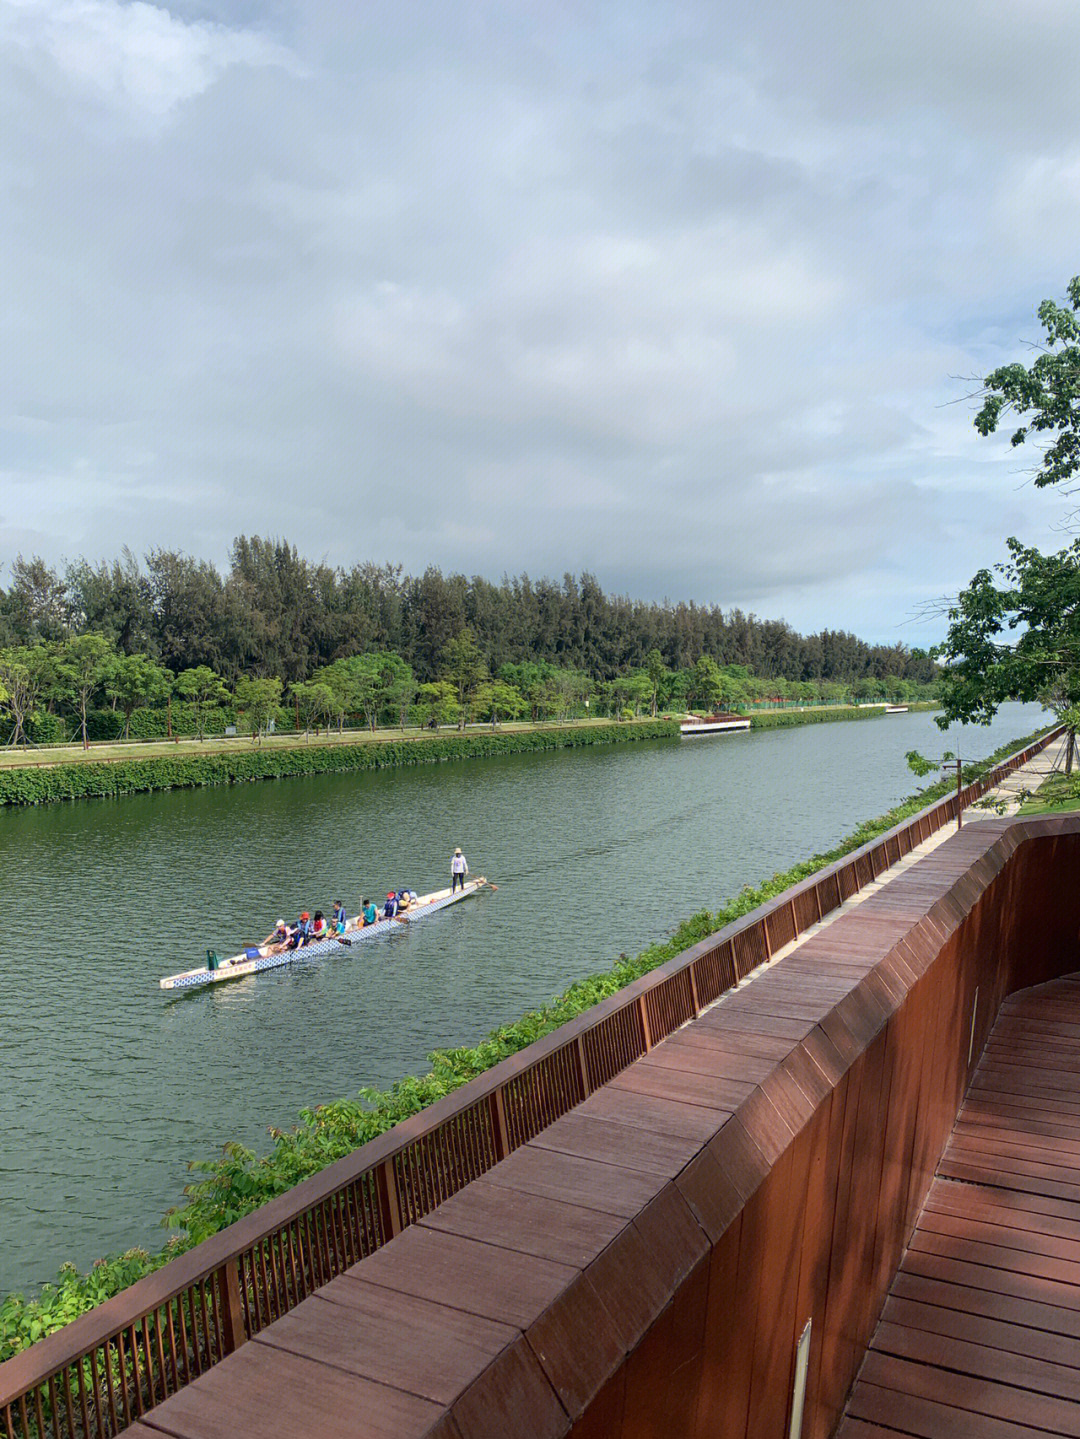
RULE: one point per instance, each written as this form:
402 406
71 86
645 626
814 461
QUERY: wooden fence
109 1367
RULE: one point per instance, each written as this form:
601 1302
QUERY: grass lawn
1056 796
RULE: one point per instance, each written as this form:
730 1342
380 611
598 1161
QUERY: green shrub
787 719
90 779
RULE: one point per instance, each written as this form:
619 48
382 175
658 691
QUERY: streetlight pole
949 765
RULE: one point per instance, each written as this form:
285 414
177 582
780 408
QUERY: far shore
110 751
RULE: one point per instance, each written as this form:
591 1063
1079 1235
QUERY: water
110 1086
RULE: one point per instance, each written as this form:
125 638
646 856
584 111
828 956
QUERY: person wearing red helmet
390 908
301 932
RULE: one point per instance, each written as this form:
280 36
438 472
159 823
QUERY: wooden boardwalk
980 1334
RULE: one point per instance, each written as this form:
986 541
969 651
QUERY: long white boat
714 724
272 956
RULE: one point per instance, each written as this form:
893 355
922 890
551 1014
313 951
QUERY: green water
110 1085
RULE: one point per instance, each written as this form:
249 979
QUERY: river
110 1085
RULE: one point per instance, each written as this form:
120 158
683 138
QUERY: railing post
794 920
389 1205
768 941
693 991
234 1326
583 1067
644 1013
500 1134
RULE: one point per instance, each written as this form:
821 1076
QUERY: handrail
107 1368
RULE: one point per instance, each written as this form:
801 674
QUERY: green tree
205 689
657 671
437 703
1048 390
396 684
1014 634
84 667
707 683
464 667
27 674
500 701
259 700
314 701
137 682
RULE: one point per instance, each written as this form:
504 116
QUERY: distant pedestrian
459 868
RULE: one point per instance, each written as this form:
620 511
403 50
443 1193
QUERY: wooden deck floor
980 1334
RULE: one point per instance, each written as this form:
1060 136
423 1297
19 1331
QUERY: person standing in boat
459 868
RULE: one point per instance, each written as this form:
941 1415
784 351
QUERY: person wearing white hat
459 868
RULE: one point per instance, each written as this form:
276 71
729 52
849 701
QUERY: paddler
301 930
368 913
390 908
339 919
279 934
319 927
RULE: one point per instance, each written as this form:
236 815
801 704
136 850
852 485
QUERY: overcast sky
685 295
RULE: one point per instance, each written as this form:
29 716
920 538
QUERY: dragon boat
256 958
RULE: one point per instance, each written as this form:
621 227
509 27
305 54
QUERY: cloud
679 296
135 56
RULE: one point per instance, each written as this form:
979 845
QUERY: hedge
783 719
93 779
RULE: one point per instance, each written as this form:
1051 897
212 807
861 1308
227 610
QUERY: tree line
274 613
89 685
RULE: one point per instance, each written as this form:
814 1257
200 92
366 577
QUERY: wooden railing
107 1368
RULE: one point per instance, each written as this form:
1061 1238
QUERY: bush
785 719
100 778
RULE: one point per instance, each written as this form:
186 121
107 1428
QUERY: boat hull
239 966
714 726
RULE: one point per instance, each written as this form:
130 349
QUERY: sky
691 296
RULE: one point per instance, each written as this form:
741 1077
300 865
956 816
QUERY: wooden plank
610 1188
905 1413
1006 1235
995 1256
662 1155
649 1111
263 1393
533 1224
396 1339
1026 1211
978 1360
704 1089
975 1329
973 1395
1007 1307
511 1288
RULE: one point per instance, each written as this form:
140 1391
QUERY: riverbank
785 719
114 768
189 763
225 1188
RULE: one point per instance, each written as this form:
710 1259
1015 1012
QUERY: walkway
979 1334
1025 780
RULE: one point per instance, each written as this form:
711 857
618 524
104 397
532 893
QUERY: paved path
1027 778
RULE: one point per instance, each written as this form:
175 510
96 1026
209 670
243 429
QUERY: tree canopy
1048 390
1014 633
